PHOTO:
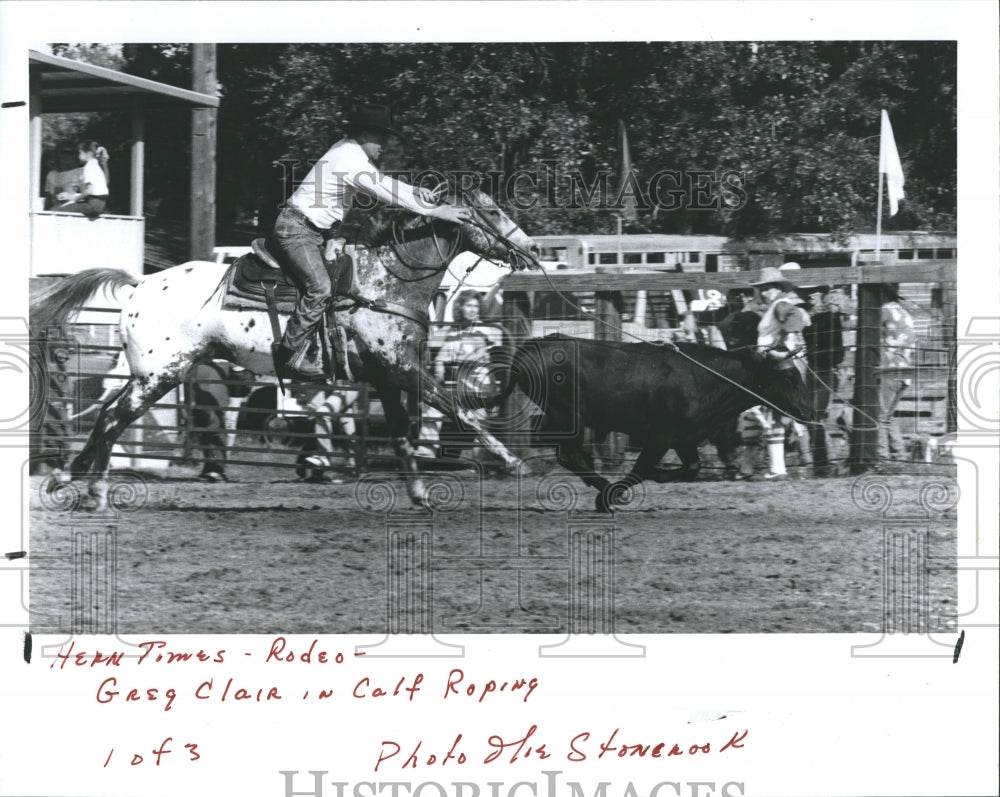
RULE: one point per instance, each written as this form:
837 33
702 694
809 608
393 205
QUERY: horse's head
487 232
491 233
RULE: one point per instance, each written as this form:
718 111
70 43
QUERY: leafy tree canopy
795 125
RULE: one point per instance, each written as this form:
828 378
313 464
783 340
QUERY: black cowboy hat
372 116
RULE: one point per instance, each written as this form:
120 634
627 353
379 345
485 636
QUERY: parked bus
712 253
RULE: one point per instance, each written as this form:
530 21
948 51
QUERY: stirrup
284 369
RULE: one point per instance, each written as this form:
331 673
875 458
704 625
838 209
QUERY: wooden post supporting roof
203 138
138 156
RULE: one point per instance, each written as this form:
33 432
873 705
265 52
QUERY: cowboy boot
292 366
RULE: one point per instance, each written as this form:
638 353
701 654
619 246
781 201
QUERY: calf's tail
506 362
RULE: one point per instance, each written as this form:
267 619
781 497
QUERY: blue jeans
820 385
890 439
301 250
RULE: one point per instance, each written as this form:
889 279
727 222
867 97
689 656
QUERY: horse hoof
614 494
423 502
420 496
57 479
516 467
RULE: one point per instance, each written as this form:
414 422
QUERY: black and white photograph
698 345
457 356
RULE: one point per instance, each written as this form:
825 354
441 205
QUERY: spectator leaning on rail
897 353
779 333
315 212
91 198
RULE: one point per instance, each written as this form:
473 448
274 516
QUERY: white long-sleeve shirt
328 190
93 176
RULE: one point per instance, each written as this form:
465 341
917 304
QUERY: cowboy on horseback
314 214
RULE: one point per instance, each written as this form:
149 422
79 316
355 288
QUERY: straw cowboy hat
773 276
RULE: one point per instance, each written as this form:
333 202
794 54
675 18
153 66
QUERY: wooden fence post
864 435
608 326
203 144
949 306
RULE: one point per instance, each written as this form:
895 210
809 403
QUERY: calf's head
781 383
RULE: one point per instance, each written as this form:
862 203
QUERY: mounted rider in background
314 214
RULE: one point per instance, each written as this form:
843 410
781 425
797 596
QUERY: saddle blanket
244 286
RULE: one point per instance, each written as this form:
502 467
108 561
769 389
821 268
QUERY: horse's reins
379 305
478 220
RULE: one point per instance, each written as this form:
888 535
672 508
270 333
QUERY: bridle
516 258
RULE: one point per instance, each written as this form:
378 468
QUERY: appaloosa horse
176 318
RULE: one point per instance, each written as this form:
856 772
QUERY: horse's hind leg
115 417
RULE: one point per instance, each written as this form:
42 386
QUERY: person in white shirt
780 331
314 213
92 196
65 178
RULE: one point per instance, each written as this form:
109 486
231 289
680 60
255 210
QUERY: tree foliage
799 121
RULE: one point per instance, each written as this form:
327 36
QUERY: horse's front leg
398 421
436 395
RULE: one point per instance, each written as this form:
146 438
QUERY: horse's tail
52 307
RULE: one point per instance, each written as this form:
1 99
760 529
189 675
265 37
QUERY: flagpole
878 220
618 218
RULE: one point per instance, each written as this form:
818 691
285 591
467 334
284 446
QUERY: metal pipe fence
245 417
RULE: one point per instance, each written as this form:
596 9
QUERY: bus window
609 258
656 257
556 306
632 258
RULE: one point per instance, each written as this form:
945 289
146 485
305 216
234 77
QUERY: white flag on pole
889 165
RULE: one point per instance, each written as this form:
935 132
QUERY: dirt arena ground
266 553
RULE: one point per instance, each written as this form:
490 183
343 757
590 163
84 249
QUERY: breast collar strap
357 302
